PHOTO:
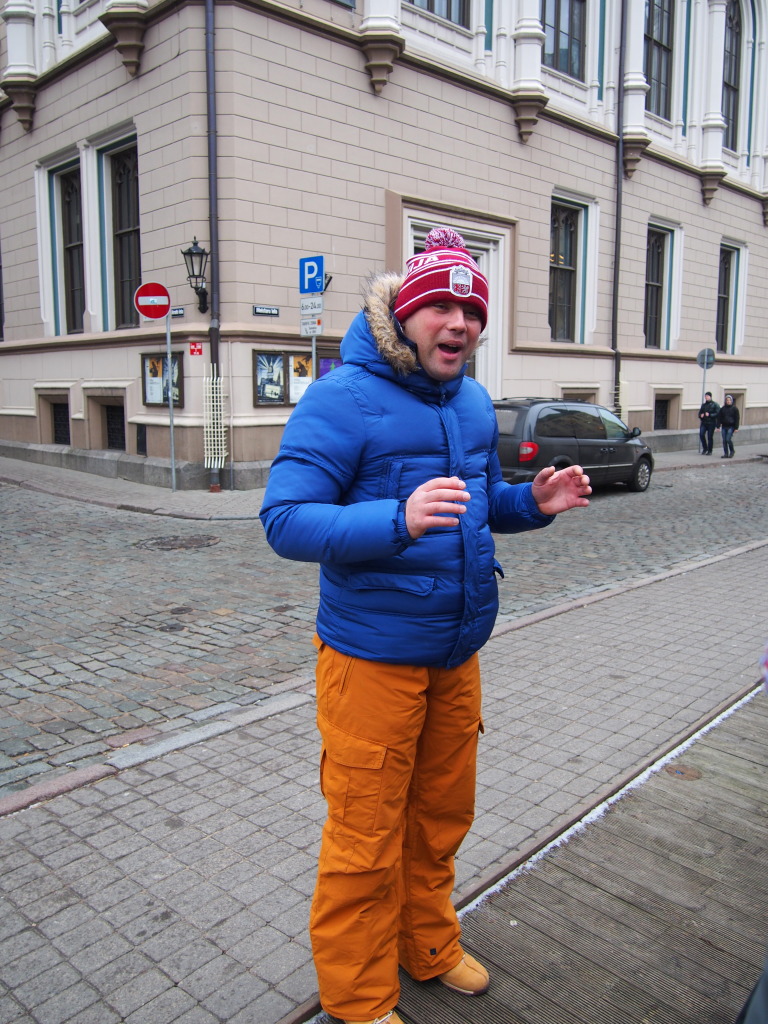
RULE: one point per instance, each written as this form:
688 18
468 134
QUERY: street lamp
196 259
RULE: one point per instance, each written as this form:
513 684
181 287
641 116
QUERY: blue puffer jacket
359 442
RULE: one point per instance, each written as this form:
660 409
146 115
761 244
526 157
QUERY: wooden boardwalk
656 913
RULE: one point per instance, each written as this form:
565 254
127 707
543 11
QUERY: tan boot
468 977
385 1018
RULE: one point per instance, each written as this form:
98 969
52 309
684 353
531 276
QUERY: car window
509 420
556 422
588 425
615 430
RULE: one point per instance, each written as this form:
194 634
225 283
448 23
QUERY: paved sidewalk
171 883
161 501
177 887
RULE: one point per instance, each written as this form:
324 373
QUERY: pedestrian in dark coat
728 422
707 423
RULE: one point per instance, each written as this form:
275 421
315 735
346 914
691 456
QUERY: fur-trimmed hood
379 298
376 341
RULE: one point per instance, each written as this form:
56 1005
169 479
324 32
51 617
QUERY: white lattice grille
214 428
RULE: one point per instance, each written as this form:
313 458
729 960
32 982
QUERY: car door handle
607 449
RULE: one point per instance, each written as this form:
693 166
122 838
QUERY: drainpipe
619 212
213 202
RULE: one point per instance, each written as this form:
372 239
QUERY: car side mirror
635 432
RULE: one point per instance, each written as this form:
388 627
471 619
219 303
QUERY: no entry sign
152 300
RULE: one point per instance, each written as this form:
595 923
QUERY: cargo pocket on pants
351 775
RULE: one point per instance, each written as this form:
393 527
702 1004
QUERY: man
708 411
728 421
388 476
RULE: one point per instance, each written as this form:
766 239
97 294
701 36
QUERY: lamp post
196 259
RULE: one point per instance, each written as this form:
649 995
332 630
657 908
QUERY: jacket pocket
420 585
351 774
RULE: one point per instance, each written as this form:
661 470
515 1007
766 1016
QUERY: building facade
604 159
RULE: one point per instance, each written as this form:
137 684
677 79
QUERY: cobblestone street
118 626
160 808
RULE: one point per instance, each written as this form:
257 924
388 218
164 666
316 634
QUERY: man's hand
429 503
557 490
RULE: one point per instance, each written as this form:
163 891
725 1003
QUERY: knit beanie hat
444 272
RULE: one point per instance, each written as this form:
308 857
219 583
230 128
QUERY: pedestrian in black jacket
707 422
728 422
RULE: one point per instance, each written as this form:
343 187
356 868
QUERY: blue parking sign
311 274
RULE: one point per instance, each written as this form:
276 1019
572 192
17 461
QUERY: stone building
604 159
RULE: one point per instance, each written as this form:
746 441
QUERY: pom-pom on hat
444 272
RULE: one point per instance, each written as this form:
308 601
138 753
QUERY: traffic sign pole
170 396
705 359
311 287
153 301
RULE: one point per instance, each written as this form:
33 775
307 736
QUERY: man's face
446 335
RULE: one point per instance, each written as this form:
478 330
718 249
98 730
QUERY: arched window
659 19
731 74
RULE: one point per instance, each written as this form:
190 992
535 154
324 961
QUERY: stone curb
40 791
139 753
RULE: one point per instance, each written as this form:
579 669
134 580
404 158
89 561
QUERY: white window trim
93 158
739 278
587 285
673 281
492 248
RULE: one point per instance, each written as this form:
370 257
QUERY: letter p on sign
311 274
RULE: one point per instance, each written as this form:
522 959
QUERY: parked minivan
538 432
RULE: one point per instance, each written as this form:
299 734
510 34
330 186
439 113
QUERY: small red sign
195 348
152 300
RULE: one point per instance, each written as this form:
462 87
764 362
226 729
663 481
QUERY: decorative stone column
48 35
125 20
527 94
381 40
713 125
20 76
635 136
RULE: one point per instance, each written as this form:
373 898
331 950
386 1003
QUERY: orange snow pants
398 774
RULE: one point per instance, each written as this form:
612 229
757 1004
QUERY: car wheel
641 476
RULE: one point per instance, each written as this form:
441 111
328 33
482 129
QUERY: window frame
658 57
671 285
462 9
491 246
123 281
551 17
587 258
93 160
655 279
731 94
729 328
72 254
557 273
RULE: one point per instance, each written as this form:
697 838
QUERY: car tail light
528 450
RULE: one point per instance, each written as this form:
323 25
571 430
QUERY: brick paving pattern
177 887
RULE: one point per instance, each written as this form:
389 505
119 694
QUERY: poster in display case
154 379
